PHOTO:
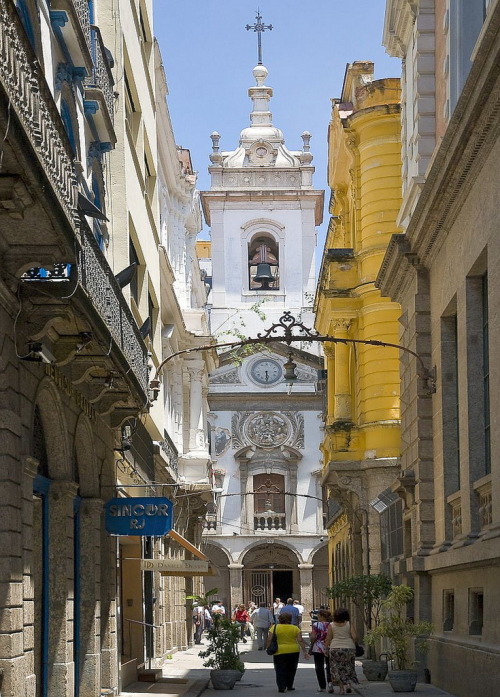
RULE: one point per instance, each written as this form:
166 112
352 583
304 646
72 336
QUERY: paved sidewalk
184 676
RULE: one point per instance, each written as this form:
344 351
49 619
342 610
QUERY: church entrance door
263 585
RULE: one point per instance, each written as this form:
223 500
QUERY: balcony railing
31 100
269 521
101 77
82 10
171 452
98 281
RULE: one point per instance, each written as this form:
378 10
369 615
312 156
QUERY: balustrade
269 521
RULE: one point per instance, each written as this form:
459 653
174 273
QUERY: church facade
265 533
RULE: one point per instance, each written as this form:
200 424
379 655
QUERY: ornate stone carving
267 429
222 440
229 378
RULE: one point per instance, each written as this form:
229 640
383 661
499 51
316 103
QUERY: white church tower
265 534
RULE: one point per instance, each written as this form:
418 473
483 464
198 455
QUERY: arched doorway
270 571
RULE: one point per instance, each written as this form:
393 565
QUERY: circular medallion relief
261 152
267 429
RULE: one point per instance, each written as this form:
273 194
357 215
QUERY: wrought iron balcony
31 101
99 282
99 96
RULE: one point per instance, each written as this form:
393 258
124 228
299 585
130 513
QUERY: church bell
264 275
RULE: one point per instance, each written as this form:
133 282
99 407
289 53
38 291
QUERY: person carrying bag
288 638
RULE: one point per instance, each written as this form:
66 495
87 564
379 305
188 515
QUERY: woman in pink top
341 643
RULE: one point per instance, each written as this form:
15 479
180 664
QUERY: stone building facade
79 340
361 443
443 272
265 535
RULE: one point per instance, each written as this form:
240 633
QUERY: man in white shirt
262 618
218 609
277 605
300 608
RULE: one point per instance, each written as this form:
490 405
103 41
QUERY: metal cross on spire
259 27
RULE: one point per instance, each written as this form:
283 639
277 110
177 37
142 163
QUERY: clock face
266 371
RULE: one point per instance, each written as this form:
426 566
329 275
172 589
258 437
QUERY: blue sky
209 56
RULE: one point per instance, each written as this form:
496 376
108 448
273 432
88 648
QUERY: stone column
197 440
90 609
109 634
294 526
61 597
306 588
342 397
236 585
329 350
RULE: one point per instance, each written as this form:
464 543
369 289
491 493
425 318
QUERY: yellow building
361 446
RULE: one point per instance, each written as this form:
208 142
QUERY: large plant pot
375 671
224 679
403 680
240 675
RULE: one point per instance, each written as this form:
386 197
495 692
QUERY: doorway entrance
263 585
271 571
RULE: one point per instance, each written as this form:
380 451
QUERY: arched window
39 449
263 263
269 493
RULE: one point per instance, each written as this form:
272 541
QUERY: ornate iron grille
33 103
101 77
82 10
99 282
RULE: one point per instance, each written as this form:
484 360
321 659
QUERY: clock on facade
266 371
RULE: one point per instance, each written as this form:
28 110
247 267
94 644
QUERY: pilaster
61 589
306 584
236 585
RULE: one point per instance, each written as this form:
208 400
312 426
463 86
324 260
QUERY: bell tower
263 212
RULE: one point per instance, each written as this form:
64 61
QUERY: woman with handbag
341 643
319 651
286 657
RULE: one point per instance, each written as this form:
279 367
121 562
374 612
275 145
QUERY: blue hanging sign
141 516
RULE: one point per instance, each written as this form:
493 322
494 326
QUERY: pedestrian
319 651
300 608
198 622
241 617
261 618
341 643
277 605
218 609
314 613
292 610
286 658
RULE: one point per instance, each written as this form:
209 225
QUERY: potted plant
221 654
395 626
367 593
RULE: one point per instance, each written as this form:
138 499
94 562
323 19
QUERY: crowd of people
332 639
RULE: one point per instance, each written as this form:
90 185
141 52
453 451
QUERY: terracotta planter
375 671
403 680
224 679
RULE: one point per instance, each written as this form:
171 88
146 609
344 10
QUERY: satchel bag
273 645
359 650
